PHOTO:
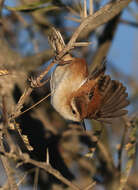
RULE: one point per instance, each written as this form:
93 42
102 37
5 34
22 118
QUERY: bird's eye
91 95
73 111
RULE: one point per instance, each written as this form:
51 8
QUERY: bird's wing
102 99
112 99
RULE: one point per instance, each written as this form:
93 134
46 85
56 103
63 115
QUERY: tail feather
119 106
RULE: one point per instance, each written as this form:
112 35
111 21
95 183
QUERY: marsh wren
77 95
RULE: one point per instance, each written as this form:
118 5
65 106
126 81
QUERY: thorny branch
24 158
100 17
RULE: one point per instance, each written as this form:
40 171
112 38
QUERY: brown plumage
76 95
104 100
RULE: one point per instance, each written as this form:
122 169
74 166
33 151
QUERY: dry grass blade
73 19
35 104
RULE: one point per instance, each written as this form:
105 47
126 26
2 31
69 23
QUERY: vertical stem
85 8
91 9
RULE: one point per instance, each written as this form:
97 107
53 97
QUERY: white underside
61 87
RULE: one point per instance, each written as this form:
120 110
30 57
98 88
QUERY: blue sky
123 49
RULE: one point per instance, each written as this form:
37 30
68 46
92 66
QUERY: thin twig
131 150
104 42
90 186
47 156
100 17
73 19
5 160
36 178
84 8
73 11
120 151
37 103
130 23
79 44
91 9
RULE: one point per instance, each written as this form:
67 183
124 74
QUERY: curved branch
93 21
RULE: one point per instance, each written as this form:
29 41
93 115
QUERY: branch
100 17
129 23
5 161
43 165
131 151
104 42
93 21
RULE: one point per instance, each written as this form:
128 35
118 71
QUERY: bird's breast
63 83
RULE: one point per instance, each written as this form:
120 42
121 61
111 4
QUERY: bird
77 94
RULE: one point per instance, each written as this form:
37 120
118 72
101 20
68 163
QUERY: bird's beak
83 124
